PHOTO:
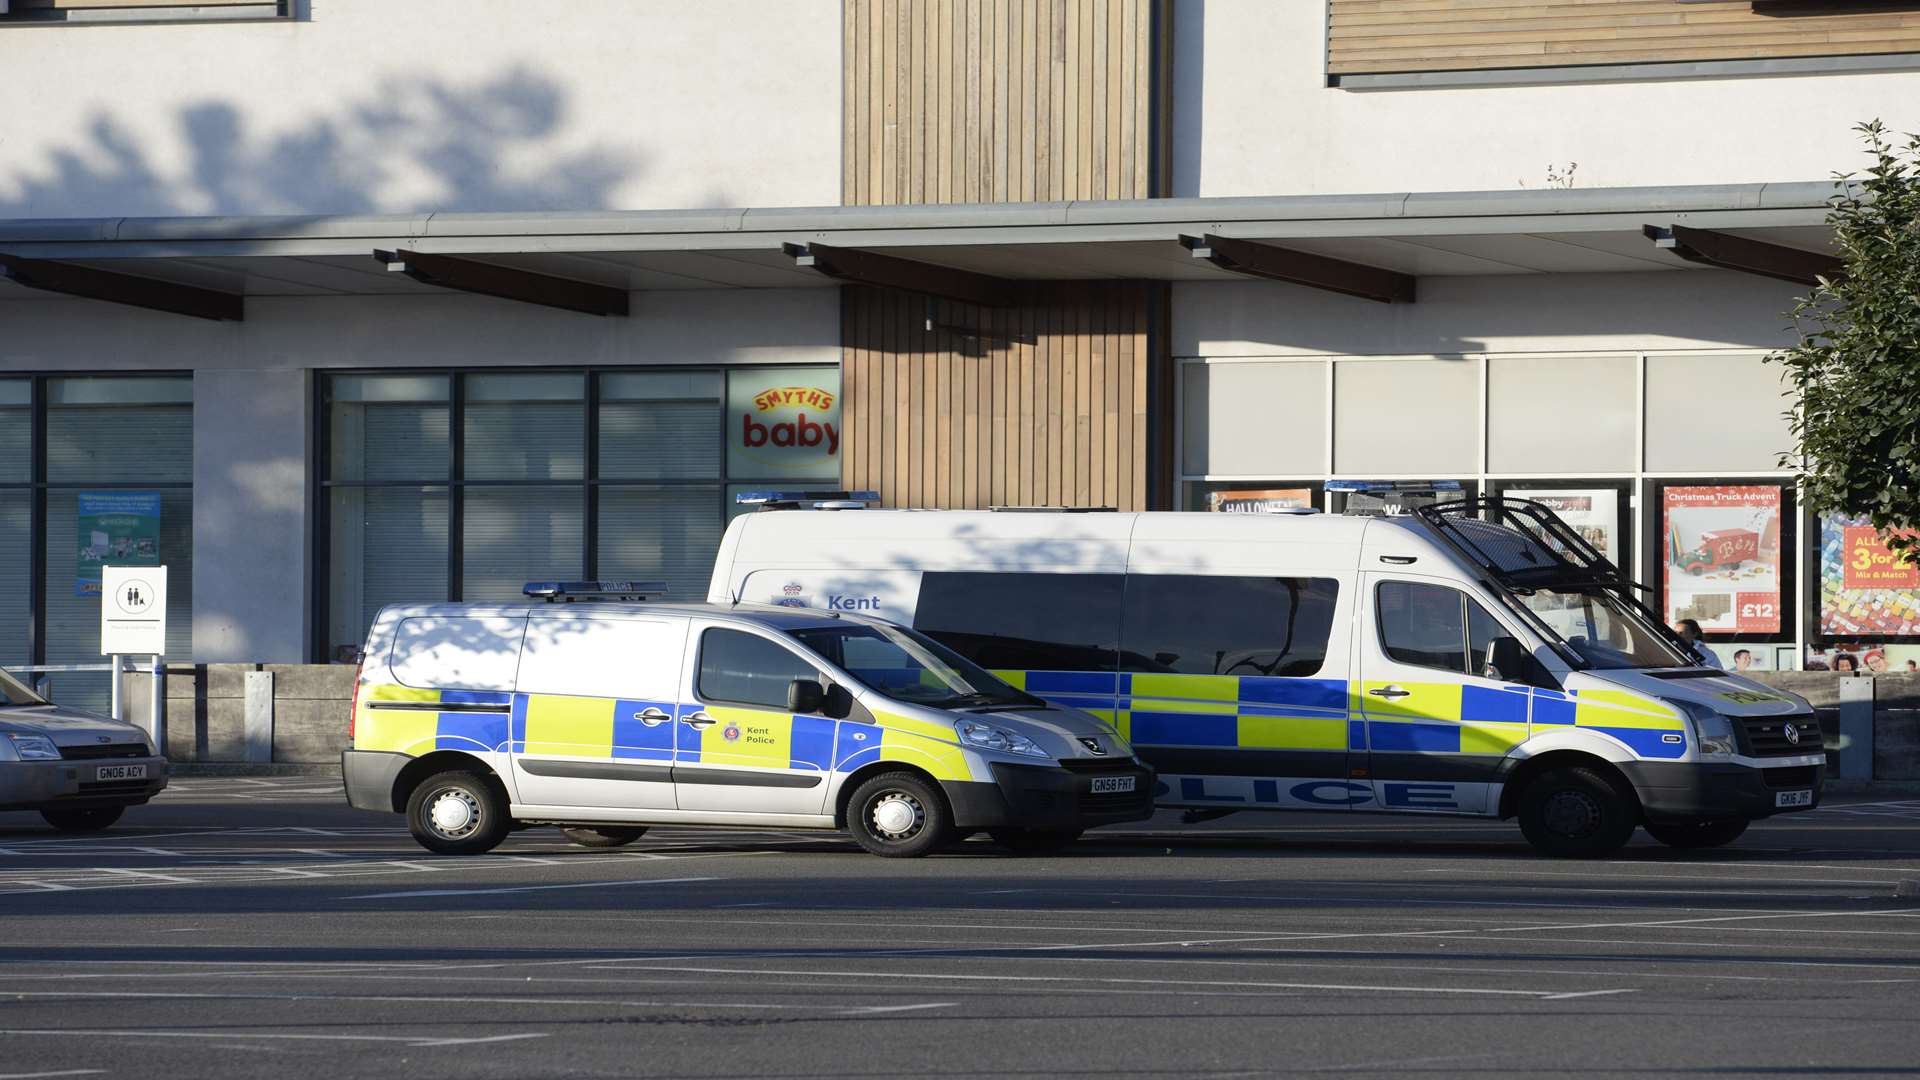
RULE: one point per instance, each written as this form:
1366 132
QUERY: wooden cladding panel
1393 36
974 101
1044 403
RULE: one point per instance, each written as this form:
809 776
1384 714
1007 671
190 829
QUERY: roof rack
1520 542
1055 509
807 500
554 592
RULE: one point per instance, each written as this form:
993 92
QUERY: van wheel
1576 813
899 815
91 820
602 835
1034 841
458 813
1698 832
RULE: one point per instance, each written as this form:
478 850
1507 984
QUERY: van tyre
1034 841
1698 832
1576 813
603 836
458 813
900 815
90 820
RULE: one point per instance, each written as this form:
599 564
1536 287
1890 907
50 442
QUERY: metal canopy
506 282
1730 252
93 284
1275 263
1437 234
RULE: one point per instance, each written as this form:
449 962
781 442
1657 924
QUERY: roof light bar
554 592
816 500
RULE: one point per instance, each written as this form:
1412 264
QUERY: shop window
525 427
660 425
1024 622
1204 625
513 535
16 526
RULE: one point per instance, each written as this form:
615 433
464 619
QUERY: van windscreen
908 667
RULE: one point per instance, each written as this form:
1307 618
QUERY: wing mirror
805 696
1509 662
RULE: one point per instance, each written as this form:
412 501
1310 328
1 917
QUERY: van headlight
34 748
989 737
1712 732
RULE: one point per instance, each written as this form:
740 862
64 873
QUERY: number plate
1109 785
120 772
1793 798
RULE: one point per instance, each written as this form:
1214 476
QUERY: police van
1470 657
597 710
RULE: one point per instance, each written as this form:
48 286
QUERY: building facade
328 307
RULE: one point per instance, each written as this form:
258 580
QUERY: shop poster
1865 589
1722 557
115 528
1860 658
783 423
1594 513
1266 501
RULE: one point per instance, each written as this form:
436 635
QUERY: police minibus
1470 657
594 709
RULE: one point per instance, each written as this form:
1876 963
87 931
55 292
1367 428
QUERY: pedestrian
1696 649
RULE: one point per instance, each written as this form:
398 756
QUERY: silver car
81 770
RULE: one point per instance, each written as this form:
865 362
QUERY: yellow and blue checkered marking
418 731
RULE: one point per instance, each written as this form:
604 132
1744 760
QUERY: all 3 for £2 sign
1867 563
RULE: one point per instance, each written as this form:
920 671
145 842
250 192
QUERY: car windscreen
1603 630
15 692
909 667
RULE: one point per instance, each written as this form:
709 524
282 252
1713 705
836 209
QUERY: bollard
1856 729
259 716
119 708
157 707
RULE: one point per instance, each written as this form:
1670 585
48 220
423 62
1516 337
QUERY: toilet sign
133 610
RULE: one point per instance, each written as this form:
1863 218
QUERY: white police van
604 716
1472 657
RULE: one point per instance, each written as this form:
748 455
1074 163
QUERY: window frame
37 486
1466 627
699 668
455 482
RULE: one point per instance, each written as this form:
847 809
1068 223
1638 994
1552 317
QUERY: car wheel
1697 833
1034 841
458 813
603 835
90 820
899 815
1576 813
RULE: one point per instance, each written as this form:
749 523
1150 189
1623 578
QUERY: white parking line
410 1040
527 888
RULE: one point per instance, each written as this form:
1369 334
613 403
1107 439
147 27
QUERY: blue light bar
761 498
1393 485
555 591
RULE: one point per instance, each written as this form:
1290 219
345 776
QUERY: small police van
605 716
1472 657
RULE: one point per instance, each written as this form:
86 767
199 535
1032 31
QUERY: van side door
1234 688
740 750
1437 727
593 716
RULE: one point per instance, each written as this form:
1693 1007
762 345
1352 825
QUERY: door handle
698 720
651 717
1389 692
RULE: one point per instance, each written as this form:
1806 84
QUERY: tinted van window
1024 622
748 669
1197 625
1434 626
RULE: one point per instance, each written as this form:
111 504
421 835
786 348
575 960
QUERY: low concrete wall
1896 714
207 711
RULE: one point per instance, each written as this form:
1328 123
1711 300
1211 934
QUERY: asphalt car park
238 925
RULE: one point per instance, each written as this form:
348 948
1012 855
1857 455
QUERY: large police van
605 715
1474 657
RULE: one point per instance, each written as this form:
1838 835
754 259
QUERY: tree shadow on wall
411 145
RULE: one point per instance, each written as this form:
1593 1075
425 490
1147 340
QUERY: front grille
104 750
1115 802
112 788
1767 737
1799 776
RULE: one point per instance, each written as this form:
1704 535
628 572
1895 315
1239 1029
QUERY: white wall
1253 116
1520 313
407 105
